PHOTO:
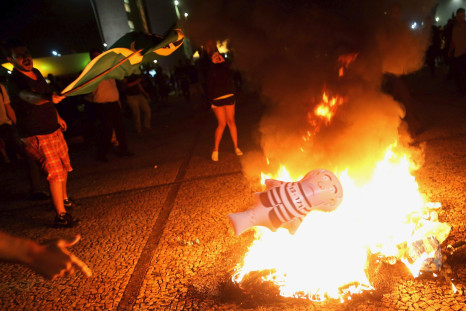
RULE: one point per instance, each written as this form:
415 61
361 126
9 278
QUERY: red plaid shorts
51 152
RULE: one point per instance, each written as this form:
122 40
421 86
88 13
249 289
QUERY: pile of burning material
352 249
383 228
324 245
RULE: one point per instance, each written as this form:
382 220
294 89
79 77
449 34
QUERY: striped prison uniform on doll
288 201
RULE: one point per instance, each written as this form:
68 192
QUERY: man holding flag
123 59
39 125
108 107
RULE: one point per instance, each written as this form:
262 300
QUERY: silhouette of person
220 95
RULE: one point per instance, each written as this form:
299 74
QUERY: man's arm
39 99
10 113
143 91
14 249
61 122
52 259
452 42
8 109
133 83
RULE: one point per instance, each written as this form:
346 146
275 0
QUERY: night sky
67 26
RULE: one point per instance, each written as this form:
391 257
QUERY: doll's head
327 192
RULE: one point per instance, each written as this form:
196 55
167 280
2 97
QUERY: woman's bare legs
230 119
225 116
220 114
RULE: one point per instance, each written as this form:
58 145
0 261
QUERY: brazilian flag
124 58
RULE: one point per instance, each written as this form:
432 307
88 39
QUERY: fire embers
284 204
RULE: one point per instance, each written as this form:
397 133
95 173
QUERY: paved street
154 226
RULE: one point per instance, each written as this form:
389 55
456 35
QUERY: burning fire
328 255
322 114
344 61
329 250
327 108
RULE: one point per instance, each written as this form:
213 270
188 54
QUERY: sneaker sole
74 224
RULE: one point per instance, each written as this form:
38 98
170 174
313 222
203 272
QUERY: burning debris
377 234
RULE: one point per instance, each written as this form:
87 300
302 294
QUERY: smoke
289 50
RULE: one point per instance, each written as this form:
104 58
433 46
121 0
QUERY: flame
282 175
322 114
326 257
344 61
222 46
327 107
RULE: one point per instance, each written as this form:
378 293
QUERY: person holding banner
39 125
108 107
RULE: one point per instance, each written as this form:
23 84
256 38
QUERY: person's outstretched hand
53 260
55 98
62 124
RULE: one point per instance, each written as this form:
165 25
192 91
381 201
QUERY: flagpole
101 74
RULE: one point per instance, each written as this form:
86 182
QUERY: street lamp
176 9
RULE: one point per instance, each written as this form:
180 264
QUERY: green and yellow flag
124 58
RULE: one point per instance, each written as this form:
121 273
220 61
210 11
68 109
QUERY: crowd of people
448 47
34 118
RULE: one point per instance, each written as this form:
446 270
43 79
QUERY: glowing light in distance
176 2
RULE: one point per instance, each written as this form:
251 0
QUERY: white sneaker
238 152
214 156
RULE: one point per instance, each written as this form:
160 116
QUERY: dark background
67 26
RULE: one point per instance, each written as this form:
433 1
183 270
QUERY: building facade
117 17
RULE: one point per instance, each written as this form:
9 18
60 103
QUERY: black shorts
223 102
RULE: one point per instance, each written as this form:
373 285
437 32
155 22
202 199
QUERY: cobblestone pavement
154 226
